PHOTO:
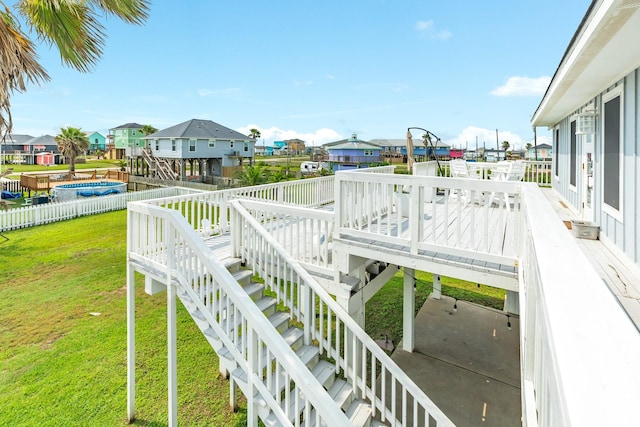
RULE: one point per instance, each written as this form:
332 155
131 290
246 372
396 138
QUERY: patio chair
459 169
508 171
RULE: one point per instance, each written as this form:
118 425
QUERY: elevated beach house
352 153
125 139
277 276
196 150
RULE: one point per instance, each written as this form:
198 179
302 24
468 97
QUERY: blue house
97 141
540 152
353 153
197 149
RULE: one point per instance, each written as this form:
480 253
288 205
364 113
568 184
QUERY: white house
592 106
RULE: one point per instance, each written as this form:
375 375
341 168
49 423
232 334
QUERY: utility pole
497 141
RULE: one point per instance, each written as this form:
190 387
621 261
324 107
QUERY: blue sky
317 70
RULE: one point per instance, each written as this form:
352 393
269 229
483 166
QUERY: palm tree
252 175
73 26
254 133
505 145
148 129
72 142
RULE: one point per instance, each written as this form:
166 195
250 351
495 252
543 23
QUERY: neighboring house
295 146
456 153
12 148
592 106
24 149
353 153
544 152
197 149
398 148
126 137
97 141
493 155
260 150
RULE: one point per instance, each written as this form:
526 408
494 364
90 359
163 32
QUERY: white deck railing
536 171
170 244
458 217
305 233
357 357
579 349
208 212
30 216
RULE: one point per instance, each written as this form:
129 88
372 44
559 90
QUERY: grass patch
60 365
383 312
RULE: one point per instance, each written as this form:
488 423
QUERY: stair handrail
243 222
176 226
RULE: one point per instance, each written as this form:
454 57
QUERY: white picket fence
30 216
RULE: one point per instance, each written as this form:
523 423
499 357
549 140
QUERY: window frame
606 208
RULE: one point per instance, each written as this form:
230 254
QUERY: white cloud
316 138
428 29
523 86
303 83
486 138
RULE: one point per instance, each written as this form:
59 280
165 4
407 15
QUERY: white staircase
358 411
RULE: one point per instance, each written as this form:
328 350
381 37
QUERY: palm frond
69 24
18 65
130 11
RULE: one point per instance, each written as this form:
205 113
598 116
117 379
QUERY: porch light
586 122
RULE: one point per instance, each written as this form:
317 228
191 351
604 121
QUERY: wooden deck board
618 273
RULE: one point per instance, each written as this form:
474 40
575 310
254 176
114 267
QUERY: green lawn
90 164
63 365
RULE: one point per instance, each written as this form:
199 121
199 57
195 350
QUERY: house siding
624 233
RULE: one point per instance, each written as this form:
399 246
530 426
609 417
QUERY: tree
254 133
529 145
252 175
148 130
72 25
505 145
72 142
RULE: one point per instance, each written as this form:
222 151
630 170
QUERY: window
133 132
192 145
231 144
157 144
173 145
612 153
573 156
212 143
246 146
368 152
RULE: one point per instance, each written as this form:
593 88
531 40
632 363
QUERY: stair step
242 276
309 354
210 333
341 392
254 290
325 373
293 337
280 320
272 421
232 264
267 305
359 413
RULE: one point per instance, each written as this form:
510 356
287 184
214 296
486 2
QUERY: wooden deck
618 273
452 243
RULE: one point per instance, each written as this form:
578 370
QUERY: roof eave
601 53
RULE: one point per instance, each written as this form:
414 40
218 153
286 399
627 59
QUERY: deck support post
437 287
131 344
172 350
408 310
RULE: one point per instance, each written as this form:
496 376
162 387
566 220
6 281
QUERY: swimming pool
67 192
